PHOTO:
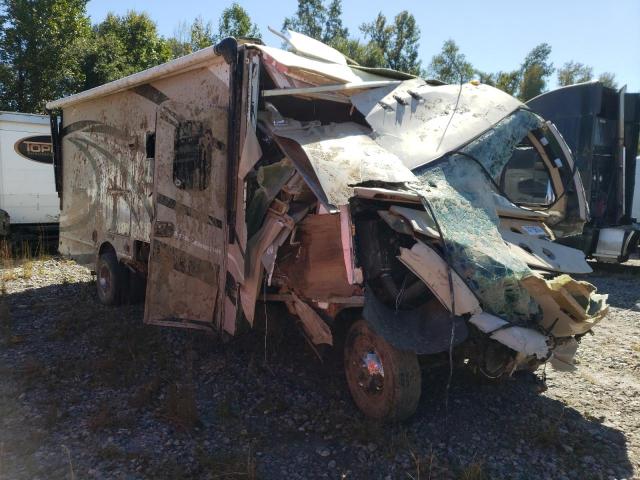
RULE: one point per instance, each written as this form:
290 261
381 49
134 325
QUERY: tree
508 81
365 54
534 72
608 79
201 34
236 22
574 72
334 30
532 83
451 66
42 43
486 77
398 42
124 45
180 43
317 20
310 19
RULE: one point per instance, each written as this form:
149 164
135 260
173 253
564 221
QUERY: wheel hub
104 279
371 372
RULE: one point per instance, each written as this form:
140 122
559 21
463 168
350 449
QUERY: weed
473 471
27 269
71 473
423 465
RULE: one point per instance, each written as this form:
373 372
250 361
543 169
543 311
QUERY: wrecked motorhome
368 201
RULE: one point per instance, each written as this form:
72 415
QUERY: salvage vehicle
601 126
29 204
366 200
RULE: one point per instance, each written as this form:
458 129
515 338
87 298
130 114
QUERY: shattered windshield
460 189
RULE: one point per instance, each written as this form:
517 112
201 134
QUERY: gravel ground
88 391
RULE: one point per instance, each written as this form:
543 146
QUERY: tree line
49 49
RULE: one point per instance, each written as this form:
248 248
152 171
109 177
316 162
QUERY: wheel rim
104 279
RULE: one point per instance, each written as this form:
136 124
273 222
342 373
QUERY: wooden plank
314 266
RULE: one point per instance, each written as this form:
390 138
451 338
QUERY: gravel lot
90 392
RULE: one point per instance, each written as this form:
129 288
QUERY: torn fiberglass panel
421 122
462 197
344 155
270 180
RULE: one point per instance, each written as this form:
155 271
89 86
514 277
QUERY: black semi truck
601 126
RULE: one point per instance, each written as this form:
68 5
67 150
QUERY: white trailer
27 187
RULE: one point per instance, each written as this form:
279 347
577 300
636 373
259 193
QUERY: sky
494 35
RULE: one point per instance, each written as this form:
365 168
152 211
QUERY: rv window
151 144
192 160
526 179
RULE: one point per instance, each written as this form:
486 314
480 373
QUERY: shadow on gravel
90 392
620 286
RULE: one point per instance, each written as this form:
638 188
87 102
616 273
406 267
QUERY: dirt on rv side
88 391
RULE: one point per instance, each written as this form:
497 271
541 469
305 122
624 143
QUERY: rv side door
186 262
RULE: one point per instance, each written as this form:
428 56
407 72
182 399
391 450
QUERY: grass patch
473 471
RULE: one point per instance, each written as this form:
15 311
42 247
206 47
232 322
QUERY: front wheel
385 382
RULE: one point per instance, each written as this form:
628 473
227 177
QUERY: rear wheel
110 279
385 382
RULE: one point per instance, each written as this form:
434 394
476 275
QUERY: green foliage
365 54
123 45
608 79
508 81
236 22
574 72
42 43
201 34
451 66
48 49
535 70
333 28
532 83
317 20
398 41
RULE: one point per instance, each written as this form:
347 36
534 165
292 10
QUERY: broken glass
460 189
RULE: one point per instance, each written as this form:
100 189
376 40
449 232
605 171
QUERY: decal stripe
150 92
183 262
190 212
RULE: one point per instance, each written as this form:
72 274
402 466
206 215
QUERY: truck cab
601 127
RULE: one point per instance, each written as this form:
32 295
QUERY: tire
385 382
111 279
